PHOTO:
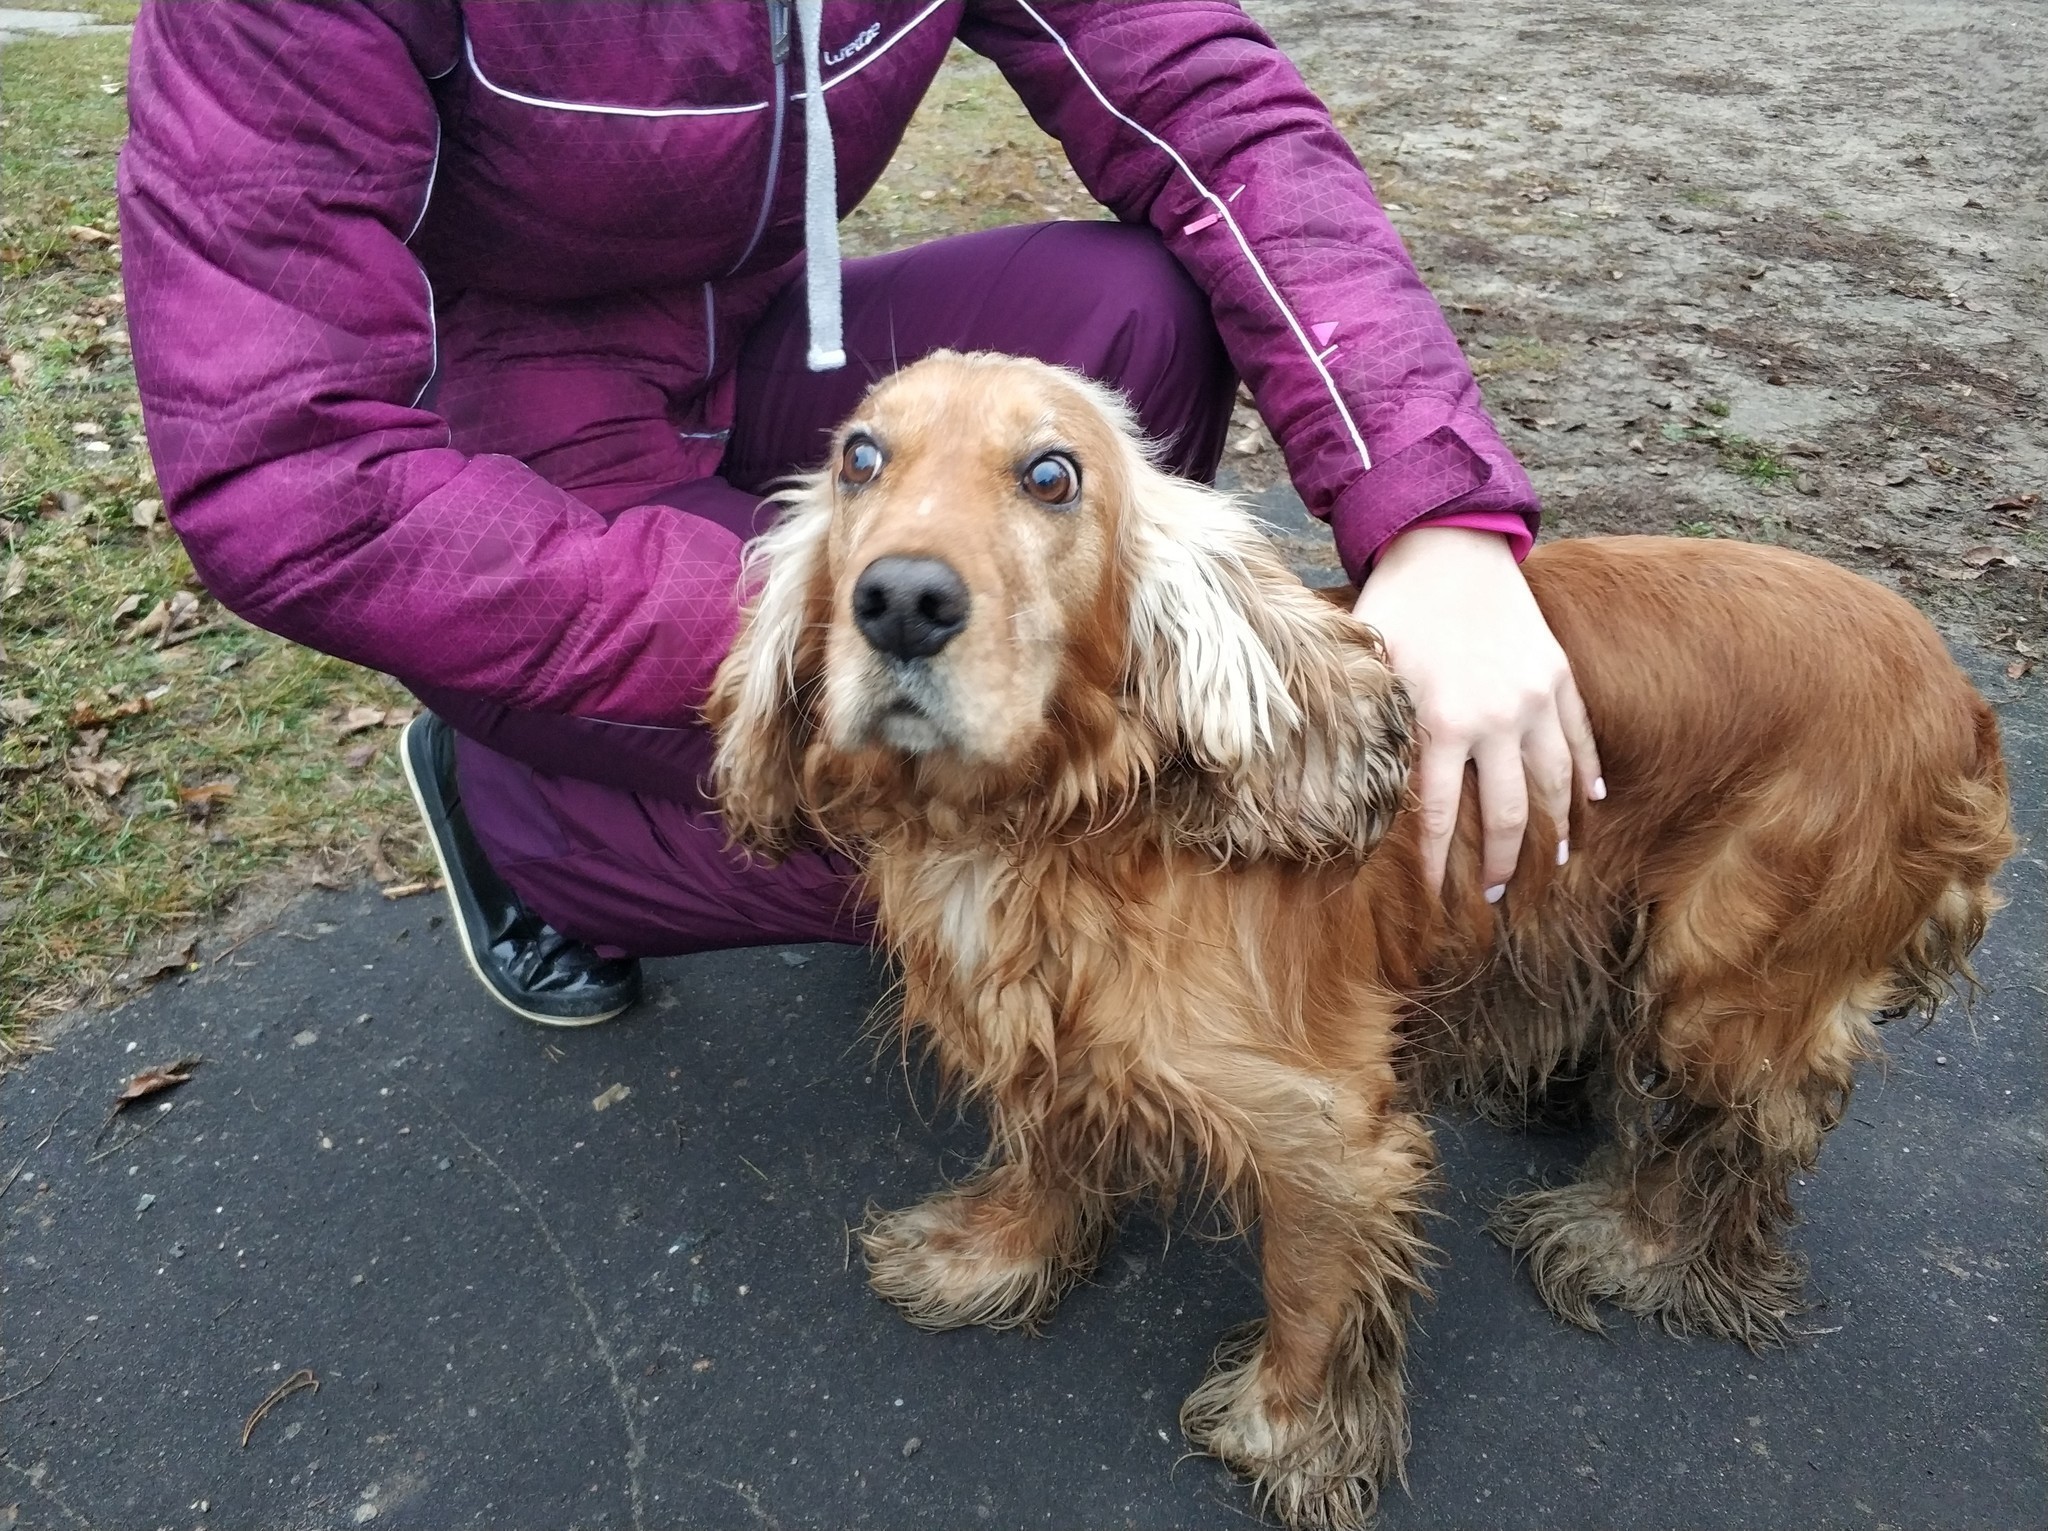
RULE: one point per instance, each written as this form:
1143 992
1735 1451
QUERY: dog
1132 804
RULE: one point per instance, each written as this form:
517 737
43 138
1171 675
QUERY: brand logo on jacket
841 55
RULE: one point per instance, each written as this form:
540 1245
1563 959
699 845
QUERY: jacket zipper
778 53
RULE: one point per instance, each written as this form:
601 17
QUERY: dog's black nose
909 608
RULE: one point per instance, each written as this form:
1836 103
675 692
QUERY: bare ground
1740 268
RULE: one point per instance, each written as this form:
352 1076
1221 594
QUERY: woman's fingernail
1599 788
1495 894
1564 852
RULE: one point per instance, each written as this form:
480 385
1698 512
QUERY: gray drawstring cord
821 201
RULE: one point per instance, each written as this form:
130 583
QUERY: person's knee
1154 336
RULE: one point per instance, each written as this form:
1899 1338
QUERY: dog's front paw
995 1252
1316 1466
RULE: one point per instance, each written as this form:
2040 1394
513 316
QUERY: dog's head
992 604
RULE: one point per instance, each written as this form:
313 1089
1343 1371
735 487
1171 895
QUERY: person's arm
280 157
1185 116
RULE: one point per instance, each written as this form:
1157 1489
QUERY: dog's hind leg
1715 1107
1309 1404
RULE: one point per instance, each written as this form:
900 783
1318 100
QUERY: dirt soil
1736 267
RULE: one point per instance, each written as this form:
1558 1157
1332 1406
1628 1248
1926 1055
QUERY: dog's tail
1972 836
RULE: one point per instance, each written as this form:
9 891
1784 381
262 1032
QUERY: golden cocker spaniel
1131 804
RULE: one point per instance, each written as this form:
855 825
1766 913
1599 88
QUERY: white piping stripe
596 109
433 325
907 28
433 169
1223 208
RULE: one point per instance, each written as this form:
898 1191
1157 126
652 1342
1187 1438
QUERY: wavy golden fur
1136 834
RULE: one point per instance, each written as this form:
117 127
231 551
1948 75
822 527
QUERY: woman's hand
1491 685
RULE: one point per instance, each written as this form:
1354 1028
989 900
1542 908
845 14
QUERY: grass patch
1512 356
1695 529
1754 461
140 785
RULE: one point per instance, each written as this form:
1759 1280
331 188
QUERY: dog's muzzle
909 608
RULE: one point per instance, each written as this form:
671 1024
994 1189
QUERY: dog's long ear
761 701
1285 732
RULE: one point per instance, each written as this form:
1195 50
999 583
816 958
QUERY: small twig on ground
23 1392
408 889
13 1175
224 1312
120 1143
750 1164
298 1381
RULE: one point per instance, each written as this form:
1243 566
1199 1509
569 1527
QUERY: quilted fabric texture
431 300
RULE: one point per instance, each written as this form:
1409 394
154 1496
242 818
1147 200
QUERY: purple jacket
568 214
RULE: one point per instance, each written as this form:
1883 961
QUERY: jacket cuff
1459 467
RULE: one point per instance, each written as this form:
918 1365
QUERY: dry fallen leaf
610 1098
88 715
16 580
89 234
129 605
1955 574
106 777
358 718
1981 558
174 958
22 365
2017 668
154 1081
360 756
2015 502
18 710
198 803
144 513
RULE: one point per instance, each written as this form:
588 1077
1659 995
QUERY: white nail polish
1599 788
1495 894
1564 852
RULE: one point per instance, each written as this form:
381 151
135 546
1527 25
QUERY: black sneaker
528 966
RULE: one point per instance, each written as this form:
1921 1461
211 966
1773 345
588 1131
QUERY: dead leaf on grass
2015 502
90 235
1981 558
91 715
156 1080
382 871
200 803
18 710
174 958
128 605
2017 668
360 756
358 718
109 778
22 365
144 513
16 580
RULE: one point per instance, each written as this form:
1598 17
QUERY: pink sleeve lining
1511 524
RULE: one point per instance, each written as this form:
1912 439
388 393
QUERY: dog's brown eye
1054 479
860 462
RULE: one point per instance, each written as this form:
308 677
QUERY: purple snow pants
604 828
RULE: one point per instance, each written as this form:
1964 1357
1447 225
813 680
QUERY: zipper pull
778 29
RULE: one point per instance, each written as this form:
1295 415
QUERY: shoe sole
419 798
